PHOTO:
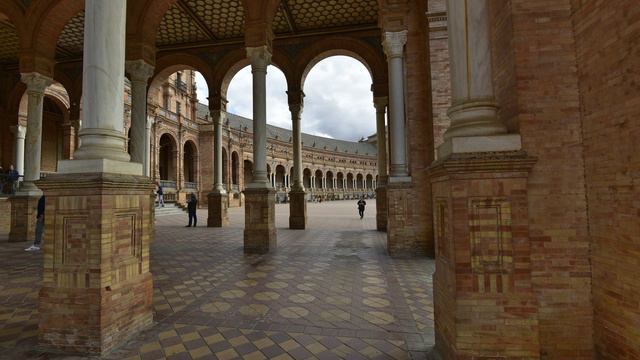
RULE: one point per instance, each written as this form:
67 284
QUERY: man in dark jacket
14 179
39 226
361 205
192 206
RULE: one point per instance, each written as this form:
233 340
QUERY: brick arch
237 59
47 19
143 21
16 15
371 58
169 64
194 142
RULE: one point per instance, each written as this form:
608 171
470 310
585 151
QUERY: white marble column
146 164
102 137
296 113
139 74
260 58
36 84
393 44
19 133
380 104
218 117
475 126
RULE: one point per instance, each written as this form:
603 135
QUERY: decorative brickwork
402 238
260 221
23 217
97 289
297 210
485 307
5 215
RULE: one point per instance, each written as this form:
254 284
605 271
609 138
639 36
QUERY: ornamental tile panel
9 43
178 28
225 18
309 15
72 36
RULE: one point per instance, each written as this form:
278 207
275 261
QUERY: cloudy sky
338 102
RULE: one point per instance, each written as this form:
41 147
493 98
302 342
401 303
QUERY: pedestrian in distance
160 195
192 206
361 205
37 244
14 178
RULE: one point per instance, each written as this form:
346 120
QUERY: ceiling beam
288 16
65 52
196 19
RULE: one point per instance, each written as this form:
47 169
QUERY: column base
97 289
485 307
23 217
297 209
381 208
402 238
217 204
260 220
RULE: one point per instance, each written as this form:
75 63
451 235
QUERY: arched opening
235 164
190 165
280 174
338 85
369 183
359 182
350 181
329 180
167 160
340 178
248 172
306 178
225 168
318 179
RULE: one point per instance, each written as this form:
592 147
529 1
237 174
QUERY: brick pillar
260 220
97 289
69 140
23 217
485 307
381 208
217 203
297 209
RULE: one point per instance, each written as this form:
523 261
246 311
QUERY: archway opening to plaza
248 171
190 165
225 168
167 161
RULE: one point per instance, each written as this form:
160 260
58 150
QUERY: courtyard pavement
329 292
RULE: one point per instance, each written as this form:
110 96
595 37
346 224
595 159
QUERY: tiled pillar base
402 240
297 210
260 220
381 208
484 303
96 289
217 204
23 217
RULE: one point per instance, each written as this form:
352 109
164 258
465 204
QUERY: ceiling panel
317 14
225 18
178 28
9 43
71 38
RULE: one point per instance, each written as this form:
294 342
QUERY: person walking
39 226
192 206
160 195
13 178
361 205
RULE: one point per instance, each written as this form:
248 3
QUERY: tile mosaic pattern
324 294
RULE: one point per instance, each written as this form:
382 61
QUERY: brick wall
5 215
440 73
608 52
544 101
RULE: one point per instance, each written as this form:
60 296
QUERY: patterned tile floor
329 292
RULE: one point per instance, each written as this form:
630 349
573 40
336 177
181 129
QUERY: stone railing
169 184
190 185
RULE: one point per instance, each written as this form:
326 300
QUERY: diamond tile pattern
72 36
224 17
318 14
177 28
324 294
9 43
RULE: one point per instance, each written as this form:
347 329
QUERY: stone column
297 195
260 230
24 202
139 74
479 190
380 104
217 198
19 133
99 220
36 84
393 44
474 121
146 163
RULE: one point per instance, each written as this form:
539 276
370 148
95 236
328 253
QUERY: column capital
296 109
36 83
393 43
260 57
139 70
217 116
380 102
19 131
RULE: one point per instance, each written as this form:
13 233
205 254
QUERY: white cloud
338 101
202 90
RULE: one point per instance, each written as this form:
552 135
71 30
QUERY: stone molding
393 43
260 58
139 70
19 131
36 83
